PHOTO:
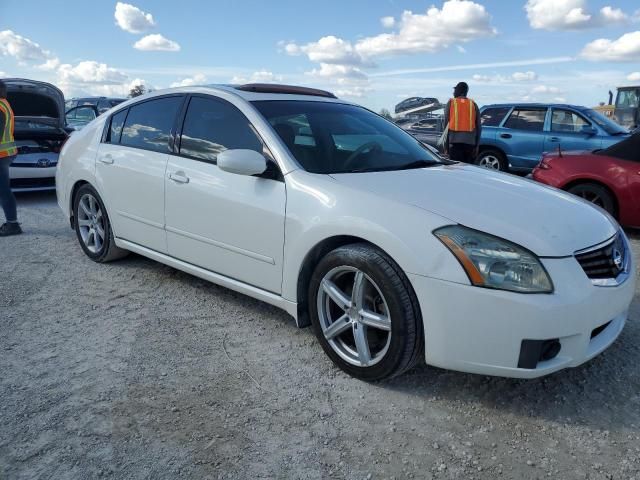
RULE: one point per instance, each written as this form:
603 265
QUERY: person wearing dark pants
8 152
463 118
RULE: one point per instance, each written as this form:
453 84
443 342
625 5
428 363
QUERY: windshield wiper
406 166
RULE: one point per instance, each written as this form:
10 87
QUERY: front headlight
495 263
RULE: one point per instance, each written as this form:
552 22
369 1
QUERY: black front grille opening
534 351
599 264
599 330
33 182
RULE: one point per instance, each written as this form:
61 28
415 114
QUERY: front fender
319 208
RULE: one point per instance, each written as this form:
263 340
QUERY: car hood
35 102
547 221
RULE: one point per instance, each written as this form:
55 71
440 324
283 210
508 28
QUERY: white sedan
339 217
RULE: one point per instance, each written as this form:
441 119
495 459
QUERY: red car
610 178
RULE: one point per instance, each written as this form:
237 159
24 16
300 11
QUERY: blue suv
514 136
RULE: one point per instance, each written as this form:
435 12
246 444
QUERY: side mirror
588 130
242 162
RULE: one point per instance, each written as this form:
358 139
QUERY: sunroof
288 89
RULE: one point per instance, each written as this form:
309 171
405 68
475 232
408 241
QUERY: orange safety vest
462 115
7 144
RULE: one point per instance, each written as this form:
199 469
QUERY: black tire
596 194
490 159
108 250
405 346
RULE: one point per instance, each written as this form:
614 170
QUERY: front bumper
479 330
32 178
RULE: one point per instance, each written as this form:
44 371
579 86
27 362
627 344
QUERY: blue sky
372 52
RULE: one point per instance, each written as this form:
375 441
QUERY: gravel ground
135 370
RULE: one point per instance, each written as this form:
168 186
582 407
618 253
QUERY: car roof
251 95
536 105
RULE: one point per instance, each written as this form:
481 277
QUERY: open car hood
35 102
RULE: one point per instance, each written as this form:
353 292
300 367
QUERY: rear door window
529 119
492 117
148 125
212 126
115 127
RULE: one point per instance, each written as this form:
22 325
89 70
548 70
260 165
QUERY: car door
227 223
522 136
570 131
131 166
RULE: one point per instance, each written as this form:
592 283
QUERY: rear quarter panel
77 162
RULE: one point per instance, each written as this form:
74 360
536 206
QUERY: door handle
505 135
554 139
179 177
108 159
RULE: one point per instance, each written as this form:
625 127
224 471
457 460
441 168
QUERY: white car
339 217
39 133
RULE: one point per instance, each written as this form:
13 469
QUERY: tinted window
342 138
213 126
527 119
492 117
148 124
628 98
115 129
104 105
567 121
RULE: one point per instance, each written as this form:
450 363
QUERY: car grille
604 262
33 182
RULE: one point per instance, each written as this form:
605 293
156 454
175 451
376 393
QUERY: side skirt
271 298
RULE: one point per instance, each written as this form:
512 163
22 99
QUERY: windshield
609 126
329 137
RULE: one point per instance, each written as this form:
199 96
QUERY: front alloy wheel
354 316
364 312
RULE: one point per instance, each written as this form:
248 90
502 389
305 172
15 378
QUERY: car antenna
559 151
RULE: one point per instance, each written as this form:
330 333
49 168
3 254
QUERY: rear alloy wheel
596 194
93 228
491 160
364 313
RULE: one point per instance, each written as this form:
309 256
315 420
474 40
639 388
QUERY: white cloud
354 92
528 76
545 89
461 49
197 79
156 42
21 48
437 29
570 15
131 19
613 15
90 72
634 77
329 49
261 76
50 65
459 21
624 49
388 22
332 71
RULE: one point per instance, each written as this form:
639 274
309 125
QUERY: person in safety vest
8 152
463 118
